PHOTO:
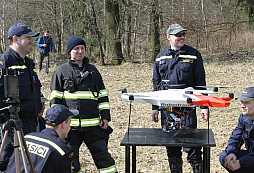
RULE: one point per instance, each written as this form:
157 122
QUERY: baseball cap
21 29
59 113
174 29
248 94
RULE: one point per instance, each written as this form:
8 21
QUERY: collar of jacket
17 56
181 50
74 64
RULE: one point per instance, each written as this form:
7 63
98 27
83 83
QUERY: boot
197 166
175 164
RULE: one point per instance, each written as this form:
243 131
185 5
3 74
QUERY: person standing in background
46 45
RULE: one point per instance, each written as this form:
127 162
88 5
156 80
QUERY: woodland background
123 38
134 30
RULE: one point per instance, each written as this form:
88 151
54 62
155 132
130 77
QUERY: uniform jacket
243 134
48 153
45 40
179 67
28 82
81 89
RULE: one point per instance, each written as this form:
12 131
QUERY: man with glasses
15 60
180 66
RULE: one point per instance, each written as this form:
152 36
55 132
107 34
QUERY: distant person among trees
45 44
233 158
180 66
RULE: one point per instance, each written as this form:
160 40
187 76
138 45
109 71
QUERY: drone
179 102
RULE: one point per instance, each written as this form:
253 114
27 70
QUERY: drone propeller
124 90
215 88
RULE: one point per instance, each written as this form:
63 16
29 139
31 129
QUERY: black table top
158 137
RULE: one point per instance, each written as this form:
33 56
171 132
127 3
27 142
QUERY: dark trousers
194 153
95 142
41 58
242 153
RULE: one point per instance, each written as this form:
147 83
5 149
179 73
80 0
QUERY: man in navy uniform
15 60
233 158
176 67
48 152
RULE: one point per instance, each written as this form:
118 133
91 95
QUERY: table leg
206 159
127 159
133 159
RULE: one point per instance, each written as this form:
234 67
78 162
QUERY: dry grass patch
138 78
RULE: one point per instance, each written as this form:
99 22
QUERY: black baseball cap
248 94
21 29
59 113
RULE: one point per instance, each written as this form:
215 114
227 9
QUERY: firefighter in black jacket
20 42
78 85
47 150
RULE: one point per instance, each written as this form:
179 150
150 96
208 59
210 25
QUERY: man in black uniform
79 85
15 60
48 152
179 66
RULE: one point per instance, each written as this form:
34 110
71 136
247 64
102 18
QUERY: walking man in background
45 44
180 66
79 85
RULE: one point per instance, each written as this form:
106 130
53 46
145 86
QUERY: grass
138 78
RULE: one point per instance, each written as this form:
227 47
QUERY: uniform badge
71 155
162 61
187 60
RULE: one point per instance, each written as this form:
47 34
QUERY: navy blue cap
174 29
248 94
73 42
21 29
59 113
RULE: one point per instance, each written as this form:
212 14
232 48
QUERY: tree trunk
155 30
113 39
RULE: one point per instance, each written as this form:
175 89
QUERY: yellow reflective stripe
110 169
17 67
56 94
35 70
80 95
59 149
90 122
188 56
74 122
103 93
104 105
164 57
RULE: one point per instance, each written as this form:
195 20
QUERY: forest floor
237 74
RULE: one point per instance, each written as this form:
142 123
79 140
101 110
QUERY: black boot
175 164
197 166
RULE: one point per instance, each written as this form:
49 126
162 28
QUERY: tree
113 39
155 30
248 6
